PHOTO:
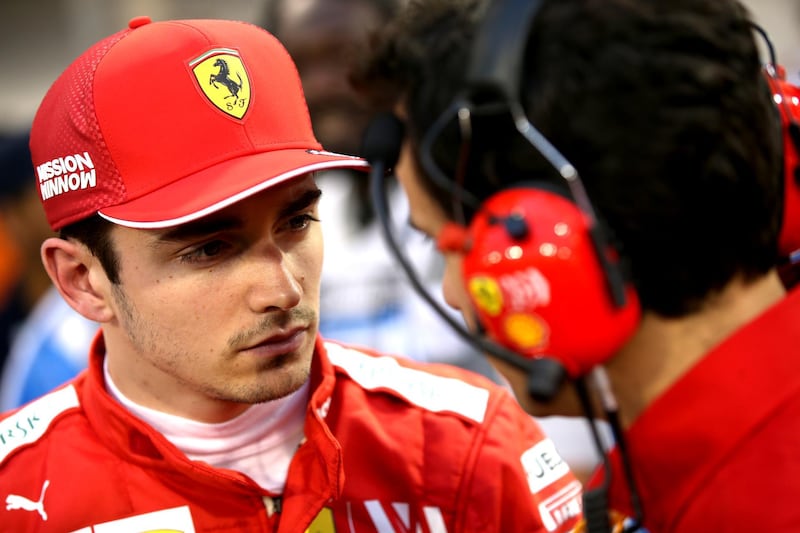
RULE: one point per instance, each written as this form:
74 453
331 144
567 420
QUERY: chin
284 378
564 403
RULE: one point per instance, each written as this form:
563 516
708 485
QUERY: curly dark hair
661 106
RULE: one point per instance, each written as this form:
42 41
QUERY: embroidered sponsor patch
431 392
64 174
400 512
222 77
18 502
29 423
323 523
543 465
385 517
174 520
562 506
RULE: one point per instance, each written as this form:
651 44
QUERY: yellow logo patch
323 523
486 293
223 78
527 331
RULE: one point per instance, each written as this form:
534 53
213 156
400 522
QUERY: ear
78 276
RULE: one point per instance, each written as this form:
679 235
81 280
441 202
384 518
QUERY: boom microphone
382 141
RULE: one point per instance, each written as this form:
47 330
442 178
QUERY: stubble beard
278 377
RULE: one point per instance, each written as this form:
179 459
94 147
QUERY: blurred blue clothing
49 348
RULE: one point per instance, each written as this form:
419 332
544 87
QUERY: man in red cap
176 161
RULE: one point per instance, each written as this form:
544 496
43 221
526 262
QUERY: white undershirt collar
259 442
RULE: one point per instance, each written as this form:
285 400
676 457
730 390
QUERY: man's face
216 314
429 218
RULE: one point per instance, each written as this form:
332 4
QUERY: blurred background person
45 340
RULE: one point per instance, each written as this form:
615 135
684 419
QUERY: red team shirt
388 448
720 450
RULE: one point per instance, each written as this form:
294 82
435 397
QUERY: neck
663 349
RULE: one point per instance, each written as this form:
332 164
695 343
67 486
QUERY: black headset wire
454 187
595 500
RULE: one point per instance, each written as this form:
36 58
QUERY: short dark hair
95 233
661 106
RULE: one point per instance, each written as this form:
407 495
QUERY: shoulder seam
31 422
426 390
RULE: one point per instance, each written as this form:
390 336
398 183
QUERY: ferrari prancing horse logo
221 75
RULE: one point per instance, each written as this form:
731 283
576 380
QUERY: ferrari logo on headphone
222 77
486 294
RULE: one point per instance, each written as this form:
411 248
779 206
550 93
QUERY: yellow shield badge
222 77
487 294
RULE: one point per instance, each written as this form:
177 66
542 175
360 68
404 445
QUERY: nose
273 283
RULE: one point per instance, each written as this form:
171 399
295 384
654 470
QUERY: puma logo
20 502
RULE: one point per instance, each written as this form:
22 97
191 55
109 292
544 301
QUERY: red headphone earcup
787 99
543 291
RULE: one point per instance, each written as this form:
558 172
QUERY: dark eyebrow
218 223
198 229
306 200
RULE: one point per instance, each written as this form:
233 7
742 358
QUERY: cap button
135 22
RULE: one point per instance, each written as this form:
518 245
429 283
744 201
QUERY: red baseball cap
165 122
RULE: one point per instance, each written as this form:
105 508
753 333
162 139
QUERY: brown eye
205 252
301 222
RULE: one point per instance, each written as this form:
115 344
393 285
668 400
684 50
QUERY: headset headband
499 48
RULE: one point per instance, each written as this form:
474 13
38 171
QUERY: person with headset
604 181
188 228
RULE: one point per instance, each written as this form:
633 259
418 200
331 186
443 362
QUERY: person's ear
71 267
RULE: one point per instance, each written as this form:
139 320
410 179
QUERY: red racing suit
719 450
390 445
